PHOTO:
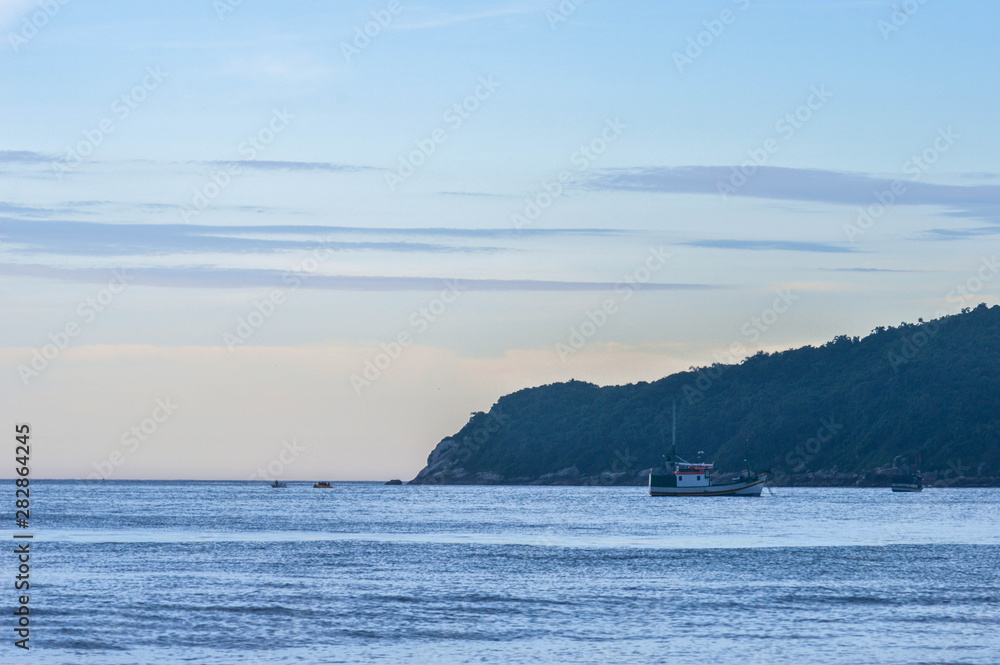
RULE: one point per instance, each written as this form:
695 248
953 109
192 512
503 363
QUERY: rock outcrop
444 467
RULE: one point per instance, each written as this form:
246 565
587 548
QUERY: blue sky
547 158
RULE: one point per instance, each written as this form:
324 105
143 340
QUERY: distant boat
278 484
905 481
910 482
324 485
683 478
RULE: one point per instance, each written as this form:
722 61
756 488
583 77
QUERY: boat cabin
688 474
693 475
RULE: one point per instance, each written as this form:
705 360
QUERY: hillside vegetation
835 414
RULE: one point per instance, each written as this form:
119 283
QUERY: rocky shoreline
443 468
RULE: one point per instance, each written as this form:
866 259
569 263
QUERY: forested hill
838 414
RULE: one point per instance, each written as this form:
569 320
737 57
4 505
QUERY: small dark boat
278 484
908 483
323 485
907 478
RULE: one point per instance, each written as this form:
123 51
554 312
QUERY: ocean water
217 572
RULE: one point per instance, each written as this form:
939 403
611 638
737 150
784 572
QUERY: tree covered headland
838 414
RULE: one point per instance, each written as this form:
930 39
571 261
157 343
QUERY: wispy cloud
253 278
24 157
869 270
772 245
961 234
15 209
789 184
485 194
264 165
73 238
30 158
96 239
443 19
979 175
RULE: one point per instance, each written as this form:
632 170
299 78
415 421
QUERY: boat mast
746 455
673 433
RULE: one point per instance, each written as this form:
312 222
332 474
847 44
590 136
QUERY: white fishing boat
695 479
683 478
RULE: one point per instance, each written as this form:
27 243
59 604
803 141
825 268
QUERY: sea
239 572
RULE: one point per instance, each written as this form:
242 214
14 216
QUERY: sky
306 240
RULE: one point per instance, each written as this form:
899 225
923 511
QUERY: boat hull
659 485
907 483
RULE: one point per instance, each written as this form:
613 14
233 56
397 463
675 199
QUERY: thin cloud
24 157
789 184
75 238
30 158
271 165
256 278
772 245
979 175
485 194
444 19
868 270
961 234
97 239
7 208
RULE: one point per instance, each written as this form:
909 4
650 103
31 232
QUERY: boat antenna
746 455
673 433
